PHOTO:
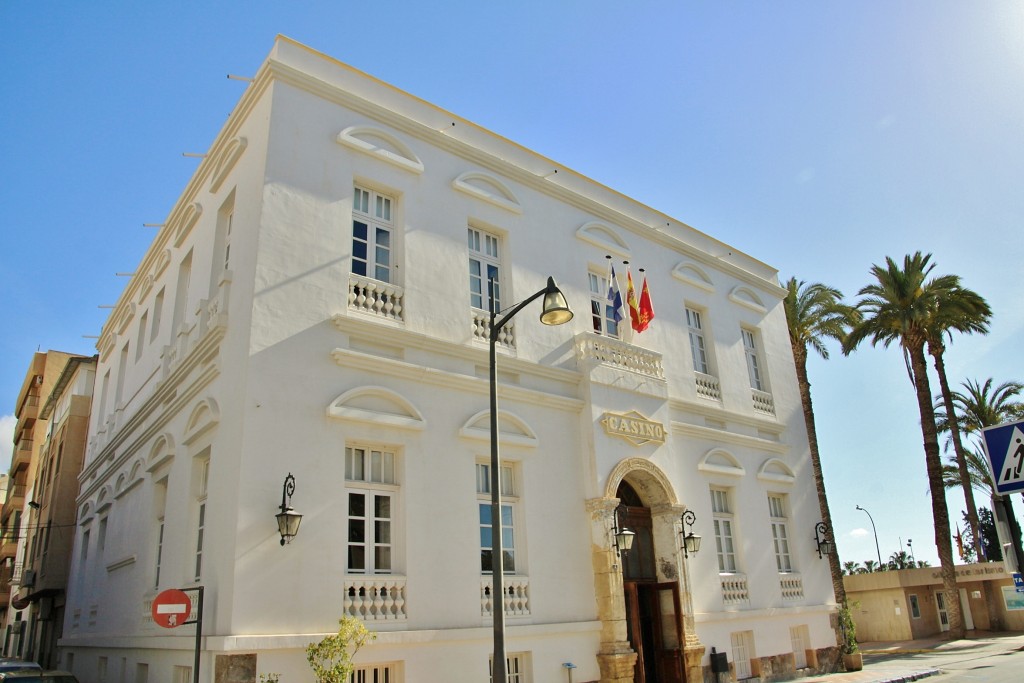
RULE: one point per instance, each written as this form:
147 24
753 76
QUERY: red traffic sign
171 608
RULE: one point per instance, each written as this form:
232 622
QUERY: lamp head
556 308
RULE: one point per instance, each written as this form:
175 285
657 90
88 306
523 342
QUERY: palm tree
851 568
900 560
815 313
899 307
869 566
961 310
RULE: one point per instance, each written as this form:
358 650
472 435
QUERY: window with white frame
484 266
202 475
158 309
915 607
698 347
371 501
721 509
601 314
780 534
141 339
159 507
375 673
517 668
750 349
372 234
509 498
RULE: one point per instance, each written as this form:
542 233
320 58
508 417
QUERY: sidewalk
913 660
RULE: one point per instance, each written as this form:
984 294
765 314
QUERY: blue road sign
1018 582
1004 445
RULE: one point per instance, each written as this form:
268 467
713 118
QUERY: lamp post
556 312
910 544
875 532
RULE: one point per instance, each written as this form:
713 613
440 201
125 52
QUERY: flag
646 311
959 543
634 309
614 297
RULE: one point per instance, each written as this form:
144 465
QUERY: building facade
315 305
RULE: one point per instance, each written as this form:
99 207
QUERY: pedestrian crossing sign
1004 445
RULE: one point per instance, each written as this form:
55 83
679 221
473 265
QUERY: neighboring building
30 433
910 603
51 512
315 304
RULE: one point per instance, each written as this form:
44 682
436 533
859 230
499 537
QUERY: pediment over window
104 499
162 262
512 429
187 220
488 188
775 471
85 513
161 452
382 145
226 161
721 461
744 296
603 236
204 417
377 406
692 274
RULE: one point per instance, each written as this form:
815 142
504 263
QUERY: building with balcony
30 433
316 305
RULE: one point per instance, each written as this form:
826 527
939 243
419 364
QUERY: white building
306 309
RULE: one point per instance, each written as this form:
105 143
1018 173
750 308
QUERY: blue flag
615 311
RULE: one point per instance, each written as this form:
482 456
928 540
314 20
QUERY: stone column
616 658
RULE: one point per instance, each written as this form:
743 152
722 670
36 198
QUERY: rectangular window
697 347
601 314
101 669
203 474
374 673
722 521
517 668
780 535
229 219
158 308
85 547
371 235
141 338
369 465
181 294
142 673
508 535
369 532
182 674
159 506
484 266
159 549
122 370
101 536
753 364
915 607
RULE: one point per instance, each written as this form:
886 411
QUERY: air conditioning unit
28 578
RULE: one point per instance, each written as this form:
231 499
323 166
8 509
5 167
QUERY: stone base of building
617 664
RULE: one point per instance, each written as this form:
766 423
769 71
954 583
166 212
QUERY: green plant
331 658
270 678
847 631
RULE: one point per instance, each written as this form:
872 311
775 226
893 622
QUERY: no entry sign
171 608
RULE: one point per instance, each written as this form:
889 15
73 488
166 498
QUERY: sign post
171 609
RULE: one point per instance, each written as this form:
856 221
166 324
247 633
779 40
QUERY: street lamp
691 541
873 530
555 312
288 520
821 540
910 544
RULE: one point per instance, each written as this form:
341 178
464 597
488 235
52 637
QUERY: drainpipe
569 666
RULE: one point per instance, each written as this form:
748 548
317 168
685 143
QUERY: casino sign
633 427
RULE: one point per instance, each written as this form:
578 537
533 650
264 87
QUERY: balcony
381 299
481 321
516 597
22 454
763 402
30 408
708 386
792 587
618 354
734 589
375 598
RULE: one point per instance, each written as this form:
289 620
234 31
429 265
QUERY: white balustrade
375 297
619 354
792 586
482 329
517 596
734 589
708 387
763 402
375 598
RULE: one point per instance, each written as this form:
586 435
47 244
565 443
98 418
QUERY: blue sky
817 137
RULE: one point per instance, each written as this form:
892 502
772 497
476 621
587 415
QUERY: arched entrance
653 615
648 631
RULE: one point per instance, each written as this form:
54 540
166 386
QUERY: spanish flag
634 309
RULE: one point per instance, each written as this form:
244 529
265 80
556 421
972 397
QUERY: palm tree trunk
940 514
961 458
800 356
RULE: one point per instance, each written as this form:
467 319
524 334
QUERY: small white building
315 305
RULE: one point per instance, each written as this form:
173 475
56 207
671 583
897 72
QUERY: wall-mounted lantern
821 540
622 538
288 520
691 541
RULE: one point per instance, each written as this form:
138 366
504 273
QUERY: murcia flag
644 313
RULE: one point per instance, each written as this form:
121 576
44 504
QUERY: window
159 506
182 674
484 265
370 477
742 653
141 673
508 539
85 547
101 669
371 235
780 536
203 474
602 315
101 536
697 346
722 513
800 637
374 673
159 549
158 307
181 294
143 325
915 607
517 667
753 364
